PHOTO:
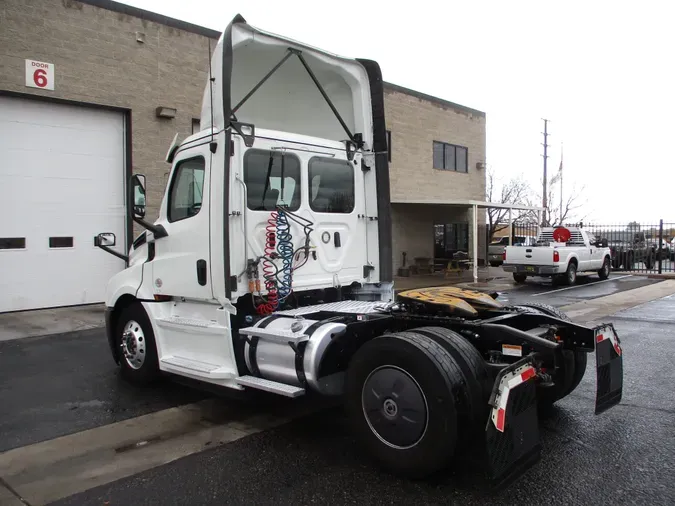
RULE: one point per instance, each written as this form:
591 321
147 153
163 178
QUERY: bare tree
572 209
514 191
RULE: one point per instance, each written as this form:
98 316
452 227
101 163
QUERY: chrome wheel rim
395 407
572 275
133 344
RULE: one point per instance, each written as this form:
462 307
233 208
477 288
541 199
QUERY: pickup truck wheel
603 273
571 274
136 340
519 277
401 396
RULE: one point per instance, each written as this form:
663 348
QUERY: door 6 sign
39 75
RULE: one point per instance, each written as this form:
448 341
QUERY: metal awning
468 203
475 205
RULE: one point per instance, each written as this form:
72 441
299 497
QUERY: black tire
649 261
519 277
142 335
575 362
604 272
571 274
473 412
422 365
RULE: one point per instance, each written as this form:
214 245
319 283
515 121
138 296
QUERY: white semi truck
270 268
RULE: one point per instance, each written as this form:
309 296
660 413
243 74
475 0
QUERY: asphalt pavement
63 385
56 385
623 456
587 287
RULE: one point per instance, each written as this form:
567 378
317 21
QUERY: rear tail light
556 256
504 256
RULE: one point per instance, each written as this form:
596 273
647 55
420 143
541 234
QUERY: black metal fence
635 247
639 247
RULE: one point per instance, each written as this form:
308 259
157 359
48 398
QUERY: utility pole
545 185
561 182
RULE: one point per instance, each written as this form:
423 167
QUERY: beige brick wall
414 124
98 60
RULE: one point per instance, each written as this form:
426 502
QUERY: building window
185 196
389 145
272 179
450 157
331 187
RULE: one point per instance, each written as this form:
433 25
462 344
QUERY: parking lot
73 433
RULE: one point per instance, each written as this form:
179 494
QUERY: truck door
180 266
324 192
597 253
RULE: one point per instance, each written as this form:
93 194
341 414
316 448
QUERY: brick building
93 90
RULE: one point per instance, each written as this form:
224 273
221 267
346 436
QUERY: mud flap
512 432
609 364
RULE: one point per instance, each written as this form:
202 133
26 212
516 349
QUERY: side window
272 179
331 185
185 199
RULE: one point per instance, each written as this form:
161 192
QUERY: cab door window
187 187
331 185
272 179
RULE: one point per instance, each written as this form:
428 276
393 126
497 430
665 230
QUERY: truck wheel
575 363
519 277
401 396
603 273
571 274
138 352
473 411
649 261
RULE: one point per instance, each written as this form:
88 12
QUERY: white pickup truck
559 253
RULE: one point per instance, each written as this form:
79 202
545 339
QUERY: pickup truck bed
560 253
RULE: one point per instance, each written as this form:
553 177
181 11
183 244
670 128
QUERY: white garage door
61 183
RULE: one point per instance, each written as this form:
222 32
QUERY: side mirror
105 239
138 186
603 243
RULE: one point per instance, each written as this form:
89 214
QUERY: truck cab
273 205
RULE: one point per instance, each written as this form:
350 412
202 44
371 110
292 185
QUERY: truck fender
571 256
127 282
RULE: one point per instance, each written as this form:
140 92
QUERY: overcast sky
601 71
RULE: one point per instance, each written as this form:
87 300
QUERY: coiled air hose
285 250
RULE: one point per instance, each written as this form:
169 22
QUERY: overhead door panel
61 183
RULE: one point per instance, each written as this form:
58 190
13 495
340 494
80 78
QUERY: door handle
201 272
336 239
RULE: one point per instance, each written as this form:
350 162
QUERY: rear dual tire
574 368
413 397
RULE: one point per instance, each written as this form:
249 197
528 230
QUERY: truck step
270 386
284 336
181 364
187 322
